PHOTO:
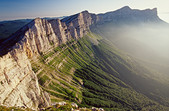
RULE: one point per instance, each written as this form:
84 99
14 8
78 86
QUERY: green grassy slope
92 72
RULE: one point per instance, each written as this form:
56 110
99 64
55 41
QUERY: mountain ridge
32 40
126 14
76 29
36 39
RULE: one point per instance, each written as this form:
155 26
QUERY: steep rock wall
18 83
79 24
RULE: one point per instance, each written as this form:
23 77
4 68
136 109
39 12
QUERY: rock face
79 24
18 83
35 38
60 29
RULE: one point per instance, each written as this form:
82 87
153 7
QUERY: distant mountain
129 16
141 33
72 60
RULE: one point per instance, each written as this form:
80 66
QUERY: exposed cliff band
19 84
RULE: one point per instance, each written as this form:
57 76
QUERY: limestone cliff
36 37
18 83
80 23
60 29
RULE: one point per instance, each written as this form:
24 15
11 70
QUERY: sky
23 9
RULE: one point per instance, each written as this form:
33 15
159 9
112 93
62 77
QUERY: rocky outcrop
39 37
79 24
60 29
36 37
18 83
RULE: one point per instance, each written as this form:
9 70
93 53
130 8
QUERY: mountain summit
125 8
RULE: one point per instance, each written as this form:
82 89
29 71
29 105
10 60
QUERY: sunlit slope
92 72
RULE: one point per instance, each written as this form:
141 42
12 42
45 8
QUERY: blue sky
18 9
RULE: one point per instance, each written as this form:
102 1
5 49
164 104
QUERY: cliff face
18 83
35 38
60 29
79 24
